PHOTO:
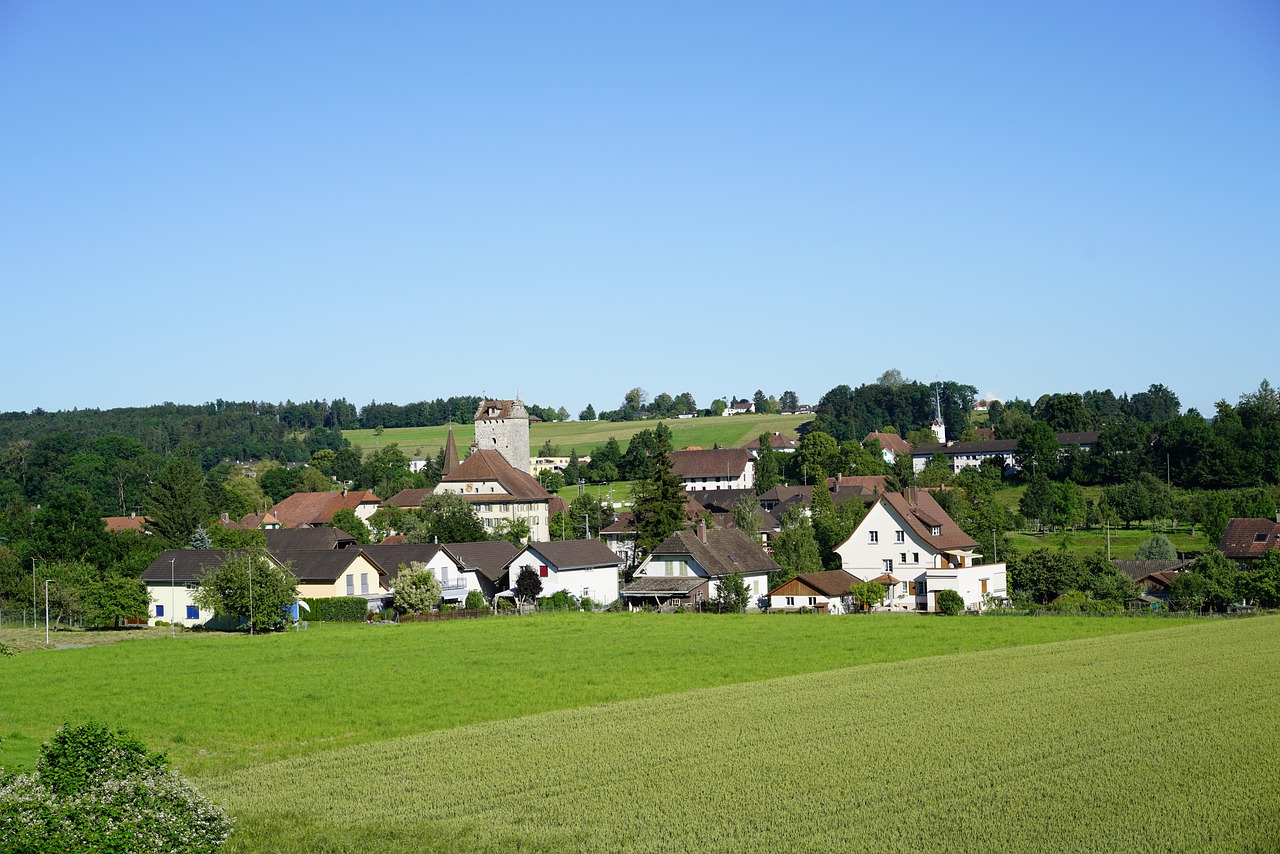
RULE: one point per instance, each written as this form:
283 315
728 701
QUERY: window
542 571
1259 538
791 600
902 557
899 537
191 585
351 585
364 582
875 537
193 613
984 586
159 610
888 564
936 530
671 570
915 557
922 588
813 600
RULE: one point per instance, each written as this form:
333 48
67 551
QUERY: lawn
620 491
586 436
1156 741
220 702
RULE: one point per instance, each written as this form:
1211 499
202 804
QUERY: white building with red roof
497 491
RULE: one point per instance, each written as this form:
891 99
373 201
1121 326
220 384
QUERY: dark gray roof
574 554
720 500
308 538
1139 569
390 557
664 584
726 550
187 564
490 558
326 565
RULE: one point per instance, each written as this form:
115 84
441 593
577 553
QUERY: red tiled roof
490 466
125 523
776 441
721 462
317 508
1246 538
891 442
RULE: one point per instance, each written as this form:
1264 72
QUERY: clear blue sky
399 201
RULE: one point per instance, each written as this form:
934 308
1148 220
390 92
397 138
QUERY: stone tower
503 426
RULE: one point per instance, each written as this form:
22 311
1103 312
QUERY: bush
586 603
949 602
95 790
559 601
337 609
475 601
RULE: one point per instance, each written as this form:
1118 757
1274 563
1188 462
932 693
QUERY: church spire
450 455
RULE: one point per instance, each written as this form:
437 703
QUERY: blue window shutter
193 613
159 610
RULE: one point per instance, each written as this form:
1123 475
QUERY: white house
583 568
826 592
686 568
460 568
173 578
891 444
962 455
719 468
908 543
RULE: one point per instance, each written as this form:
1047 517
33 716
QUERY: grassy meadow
586 436
1156 741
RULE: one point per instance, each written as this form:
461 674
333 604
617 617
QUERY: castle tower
503 426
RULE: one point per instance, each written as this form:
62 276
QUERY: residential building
739 407
908 543
827 592
891 445
777 441
311 509
686 568
582 568
326 573
722 468
1246 540
291 539
962 455
497 492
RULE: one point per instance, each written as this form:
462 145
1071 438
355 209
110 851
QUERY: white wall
865 559
967 581
173 600
600 582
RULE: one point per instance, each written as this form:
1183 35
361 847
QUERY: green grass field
586 436
432 736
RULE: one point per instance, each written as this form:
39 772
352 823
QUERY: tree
176 504
1037 450
1156 548
789 401
199 539
347 520
868 594
222 537
549 450
528 585
892 378
92 785
1037 501
949 602
475 601
1215 513
718 407
69 528
818 453
767 466
760 401
112 600
795 547
732 595
747 516
1261 583
552 481
588 414
514 531
658 502
417 589
250 585
446 518
386 520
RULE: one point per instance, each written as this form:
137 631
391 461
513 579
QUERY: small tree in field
949 602
528 585
417 589
1156 548
475 601
868 594
732 595
250 585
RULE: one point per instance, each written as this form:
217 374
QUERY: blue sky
399 201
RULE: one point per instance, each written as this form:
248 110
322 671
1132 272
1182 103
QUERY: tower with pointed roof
939 426
503 426
450 454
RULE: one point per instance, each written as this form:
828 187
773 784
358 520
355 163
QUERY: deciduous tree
250 585
417 589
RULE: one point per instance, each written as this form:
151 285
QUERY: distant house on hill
891 445
961 455
777 442
1246 540
723 468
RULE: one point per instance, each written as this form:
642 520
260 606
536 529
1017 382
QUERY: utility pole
173 608
47 582
586 522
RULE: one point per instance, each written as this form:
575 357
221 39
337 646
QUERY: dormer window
1259 538
936 530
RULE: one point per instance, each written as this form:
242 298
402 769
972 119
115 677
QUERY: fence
25 618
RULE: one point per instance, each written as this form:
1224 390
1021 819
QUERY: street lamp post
173 597
47 582
250 594
586 523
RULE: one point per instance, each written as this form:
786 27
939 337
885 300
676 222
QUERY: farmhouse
891 445
583 568
686 568
312 509
720 468
1246 540
962 455
826 592
908 543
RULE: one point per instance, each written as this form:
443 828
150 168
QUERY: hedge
336 609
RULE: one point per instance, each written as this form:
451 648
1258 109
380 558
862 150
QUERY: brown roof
921 511
573 554
1139 569
776 441
722 462
489 558
623 523
867 482
409 499
891 442
489 409
718 500
660 584
317 508
885 578
726 550
125 523
308 538
831 583
557 505
253 521
1245 538
490 466
450 454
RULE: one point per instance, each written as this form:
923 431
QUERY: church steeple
450 455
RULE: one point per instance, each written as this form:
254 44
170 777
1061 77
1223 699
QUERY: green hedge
337 609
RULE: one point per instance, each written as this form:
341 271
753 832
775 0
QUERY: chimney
344 492
226 518
702 531
133 514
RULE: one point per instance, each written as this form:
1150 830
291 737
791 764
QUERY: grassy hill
586 436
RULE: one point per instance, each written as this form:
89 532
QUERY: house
132 522
308 538
497 492
891 445
326 573
739 407
1153 576
686 568
583 568
721 468
827 592
456 579
1246 540
620 536
312 509
908 543
962 455
173 578
777 442
486 562
538 465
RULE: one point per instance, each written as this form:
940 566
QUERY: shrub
475 601
338 609
95 790
586 603
559 601
949 602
